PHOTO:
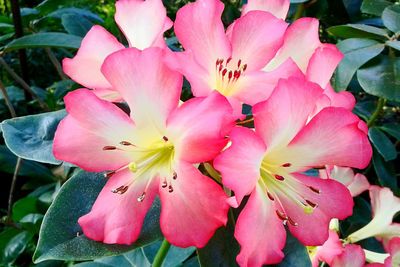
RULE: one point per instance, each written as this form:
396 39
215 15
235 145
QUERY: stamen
244 67
290 220
315 190
270 196
308 209
224 72
286 165
141 197
132 167
120 190
230 75
312 204
126 143
109 148
279 177
170 189
239 63
229 60
174 175
164 184
109 174
165 138
281 215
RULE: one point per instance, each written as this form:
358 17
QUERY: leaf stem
7 100
161 253
377 112
12 188
299 11
55 63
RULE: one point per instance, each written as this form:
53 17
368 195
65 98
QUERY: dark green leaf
31 222
295 254
16 246
135 258
59 236
31 137
175 255
45 39
5 236
385 172
356 53
23 207
382 144
382 79
392 128
374 7
358 31
75 24
82 13
391 18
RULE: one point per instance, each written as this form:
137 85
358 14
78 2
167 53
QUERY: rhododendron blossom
133 18
352 256
328 251
149 153
269 164
393 259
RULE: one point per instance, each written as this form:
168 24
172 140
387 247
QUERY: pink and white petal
300 41
278 119
256 224
84 68
329 250
194 210
91 125
108 94
278 8
323 63
335 136
199 126
150 88
142 22
333 201
340 99
118 218
249 42
257 86
353 256
358 185
240 163
394 250
199 28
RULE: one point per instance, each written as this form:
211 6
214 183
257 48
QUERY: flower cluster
156 147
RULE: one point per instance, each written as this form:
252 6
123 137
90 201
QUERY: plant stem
12 188
299 11
7 100
378 110
245 121
55 63
161 253
212 172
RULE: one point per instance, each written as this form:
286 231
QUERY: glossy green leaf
356 52
23 207
392 129
16 246
135 258
391 18
175 256
61 236
374 7
31 137
45 39
382 79
385 172
358 31
295 254
82 13
76 25
5 236
382 143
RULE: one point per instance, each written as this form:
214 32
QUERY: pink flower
149 153
269 163
328 251
353 256
143 24
355 183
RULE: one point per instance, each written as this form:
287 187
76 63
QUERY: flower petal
198 127
84 68
142 22
329 250
92 124
286 111
300 41
278 8
194 210
323 63
358 185
259 232
239 165
353 256
199 28
118 218
149 87
340 99
250 44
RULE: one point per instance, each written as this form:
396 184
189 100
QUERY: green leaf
45 39
356 53
391 18
75 11
135 258
385 172
31 137
392 128
381 79
394 44
295 253
175 256
23 207
75 24
59 237
358 31
16 246
382 144
31 222
374 7
5 236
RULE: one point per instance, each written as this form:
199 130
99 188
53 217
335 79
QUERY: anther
281 215
239 63
120 190
244 67
315 190
290 220
109 148
230 75
126 143
228 60
164 184
224 72
109 174
286 165
270 196
174 175
141 197
312 204
170 189
279 177
165 138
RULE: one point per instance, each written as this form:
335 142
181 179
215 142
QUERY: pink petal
142 22
358 185
353 256
199 28
333 201
340 99
118 218
335 136
394 250
194 210
92 124
251 44
329 250
259 232
355 183
84 68
150 88
198 127
278 8
323 63
286 111
300 41
240 164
